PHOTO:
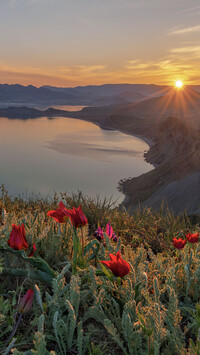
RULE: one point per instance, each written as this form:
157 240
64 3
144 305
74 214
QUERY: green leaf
94 245
106 272
30 274
38 297
36 261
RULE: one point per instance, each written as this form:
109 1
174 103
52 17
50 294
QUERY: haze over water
63 154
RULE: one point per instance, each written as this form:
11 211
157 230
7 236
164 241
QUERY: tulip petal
117 265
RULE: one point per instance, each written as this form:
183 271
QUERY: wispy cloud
137 65
62 75
82 69
187 49
167 70
185 30
189 9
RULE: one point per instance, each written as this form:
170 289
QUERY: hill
171 125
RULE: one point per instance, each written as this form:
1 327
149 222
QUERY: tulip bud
17 239
77 216
26 302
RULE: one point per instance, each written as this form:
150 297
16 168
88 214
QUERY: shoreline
174 150
148 141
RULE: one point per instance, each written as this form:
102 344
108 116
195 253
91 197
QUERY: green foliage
64 315
6 319
87 310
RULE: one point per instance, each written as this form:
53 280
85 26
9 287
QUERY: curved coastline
173 140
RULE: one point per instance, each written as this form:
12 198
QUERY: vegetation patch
81 276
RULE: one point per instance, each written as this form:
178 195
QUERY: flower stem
82 241
149 345
14 330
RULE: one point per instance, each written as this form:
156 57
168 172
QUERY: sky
93 42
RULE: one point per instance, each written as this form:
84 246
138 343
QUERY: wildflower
179 243
26 302
99 234
110 233
33 251
61 214
77 217
17 238
192 238
117 265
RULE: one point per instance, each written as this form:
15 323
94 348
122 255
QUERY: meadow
58 297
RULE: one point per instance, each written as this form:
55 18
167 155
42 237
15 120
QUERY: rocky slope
172 126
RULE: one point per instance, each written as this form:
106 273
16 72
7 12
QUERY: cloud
188 49
189 10
179 64
82 69
165 70
136 64
156 66
185 30
63 75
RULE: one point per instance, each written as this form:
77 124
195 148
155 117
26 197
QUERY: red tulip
179 243
192 238
77 217
17 238
61 214
33 251
117 265
75 214
26 302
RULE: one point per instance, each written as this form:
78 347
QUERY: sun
179 84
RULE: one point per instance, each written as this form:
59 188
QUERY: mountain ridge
80 95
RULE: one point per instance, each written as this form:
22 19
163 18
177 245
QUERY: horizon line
96 85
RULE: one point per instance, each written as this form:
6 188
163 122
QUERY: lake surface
46 155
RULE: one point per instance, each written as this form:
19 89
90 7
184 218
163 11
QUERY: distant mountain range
102 95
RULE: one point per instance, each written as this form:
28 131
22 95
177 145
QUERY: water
46 155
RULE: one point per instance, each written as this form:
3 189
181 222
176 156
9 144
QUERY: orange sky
71 43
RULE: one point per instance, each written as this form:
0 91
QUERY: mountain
31 94
86 95
92 95
114 89
123 98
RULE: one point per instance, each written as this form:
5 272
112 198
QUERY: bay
45 155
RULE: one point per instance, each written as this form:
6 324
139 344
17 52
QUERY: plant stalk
13 331
82 241
149 345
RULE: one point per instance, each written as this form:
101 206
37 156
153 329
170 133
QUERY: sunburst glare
179 84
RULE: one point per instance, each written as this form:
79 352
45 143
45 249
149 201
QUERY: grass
155 309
